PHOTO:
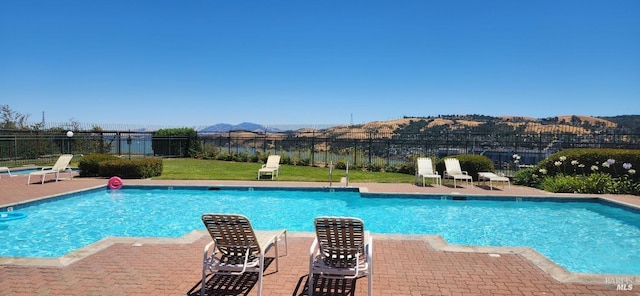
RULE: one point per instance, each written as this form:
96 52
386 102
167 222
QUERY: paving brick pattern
402 265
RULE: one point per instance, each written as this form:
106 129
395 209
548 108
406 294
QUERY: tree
176 142
12 119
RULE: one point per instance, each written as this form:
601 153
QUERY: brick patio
403 264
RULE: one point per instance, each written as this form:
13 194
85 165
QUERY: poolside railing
371 150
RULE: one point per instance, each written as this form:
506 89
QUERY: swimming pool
582 236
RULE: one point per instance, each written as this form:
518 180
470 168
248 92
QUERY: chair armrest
313 247
312 254
369 251
207 248
206 258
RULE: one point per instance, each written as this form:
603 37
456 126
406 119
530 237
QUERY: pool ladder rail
344 180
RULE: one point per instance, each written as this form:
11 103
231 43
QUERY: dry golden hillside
591 120
563 124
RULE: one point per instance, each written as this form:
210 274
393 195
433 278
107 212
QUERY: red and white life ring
115 183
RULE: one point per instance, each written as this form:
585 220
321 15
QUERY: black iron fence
369 150
19 148
380 150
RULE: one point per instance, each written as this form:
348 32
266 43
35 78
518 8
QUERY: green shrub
254 157
469 162
561 184
340 165
303 162
405 168
626 185
596 183
177 141
242 157
89 165
374 167
224 156
284 159
132 169
527 177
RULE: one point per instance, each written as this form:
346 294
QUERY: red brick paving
403 265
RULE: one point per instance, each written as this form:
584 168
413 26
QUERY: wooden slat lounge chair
425 171
236 248
342 249
61 165
455 172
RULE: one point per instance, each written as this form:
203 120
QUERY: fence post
229 143
370 148
119 143
313 147
355 151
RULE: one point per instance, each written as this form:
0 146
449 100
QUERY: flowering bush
610 171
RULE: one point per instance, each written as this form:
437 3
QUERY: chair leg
260 274
370 284
310 277
310 284
204 281
277 256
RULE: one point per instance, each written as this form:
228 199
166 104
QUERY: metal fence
380 150
369 150
20 148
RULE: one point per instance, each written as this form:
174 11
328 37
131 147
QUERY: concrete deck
403 264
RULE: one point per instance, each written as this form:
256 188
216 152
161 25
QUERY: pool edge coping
436 242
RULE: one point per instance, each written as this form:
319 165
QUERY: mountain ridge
627 123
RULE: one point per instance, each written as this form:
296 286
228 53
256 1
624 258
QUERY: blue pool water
581 236
15 172
19 172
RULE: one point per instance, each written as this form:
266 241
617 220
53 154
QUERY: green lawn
197 169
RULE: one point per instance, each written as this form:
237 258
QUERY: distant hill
626 123
245 126
579 124
576 124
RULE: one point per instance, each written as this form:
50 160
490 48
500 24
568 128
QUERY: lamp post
69 135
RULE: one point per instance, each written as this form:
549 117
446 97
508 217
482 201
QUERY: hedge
132 169
89 165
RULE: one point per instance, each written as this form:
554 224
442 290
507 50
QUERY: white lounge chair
61 165
455 172
236 248
342 249
425 171
272 167
491 177
5 169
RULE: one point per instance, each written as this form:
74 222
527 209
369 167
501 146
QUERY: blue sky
281 62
